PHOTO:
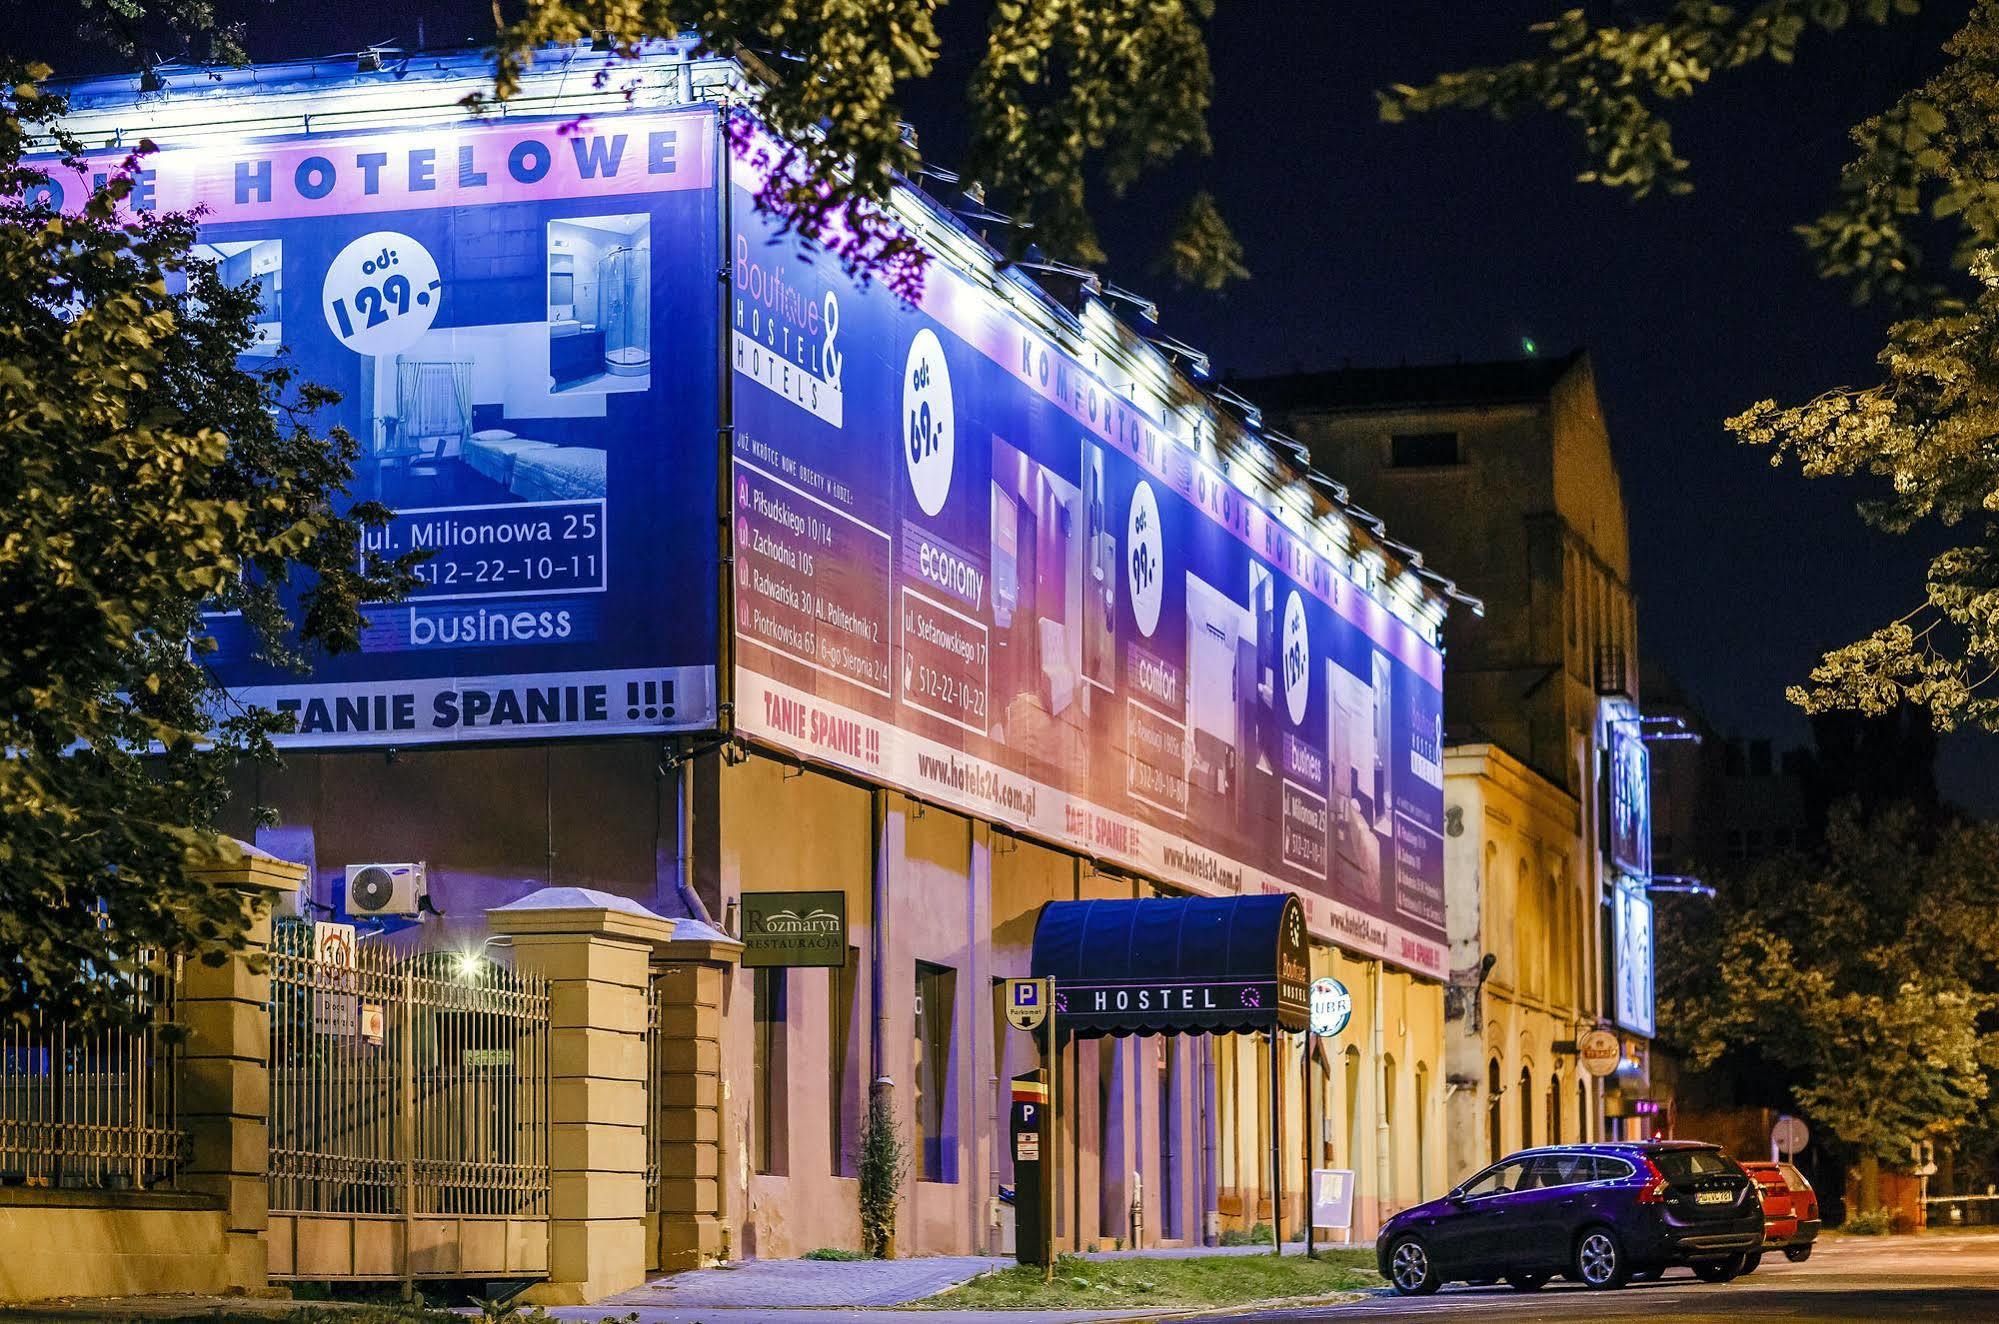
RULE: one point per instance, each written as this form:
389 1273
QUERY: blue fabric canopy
1175 965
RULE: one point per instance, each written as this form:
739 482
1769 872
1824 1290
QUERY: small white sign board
335 1008
1332 1199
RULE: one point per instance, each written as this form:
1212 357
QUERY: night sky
1455 237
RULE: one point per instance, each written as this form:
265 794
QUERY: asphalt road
1946 1276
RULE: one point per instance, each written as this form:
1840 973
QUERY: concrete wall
59 1248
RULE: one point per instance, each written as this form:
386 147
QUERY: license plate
1713 1197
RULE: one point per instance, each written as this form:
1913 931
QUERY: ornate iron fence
655 1096
406 1084
96 1111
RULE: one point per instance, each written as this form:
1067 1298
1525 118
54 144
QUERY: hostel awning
1175 965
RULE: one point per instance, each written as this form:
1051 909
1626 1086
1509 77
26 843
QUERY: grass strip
1165 1283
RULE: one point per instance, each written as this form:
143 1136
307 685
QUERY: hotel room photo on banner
520 322
968 566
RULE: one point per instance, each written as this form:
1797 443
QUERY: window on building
1582 1111
1421 1103
843 1064
1388 1113
1555 1109
1260 1161
1110 1147
1423 450
1495 1143
1526 1108
1571 591
935 1142
1224 1050
768 1117
1353 1108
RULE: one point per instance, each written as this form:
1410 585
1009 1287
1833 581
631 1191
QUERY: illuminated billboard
1629 840
520 319
968 567
1632 941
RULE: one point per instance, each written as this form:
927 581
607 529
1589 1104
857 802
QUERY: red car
1790 1211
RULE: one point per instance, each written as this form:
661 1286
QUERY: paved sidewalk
773 1284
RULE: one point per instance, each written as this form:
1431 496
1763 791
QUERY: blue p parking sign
1026 1003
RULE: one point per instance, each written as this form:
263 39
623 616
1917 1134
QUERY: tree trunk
1870 1180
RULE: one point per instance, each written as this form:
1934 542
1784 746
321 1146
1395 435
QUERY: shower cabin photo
258 262
600 304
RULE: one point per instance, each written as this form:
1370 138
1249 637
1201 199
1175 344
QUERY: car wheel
1797 1254
1599 1259
1411 1269
1721 1270
1750 1262
1528 1282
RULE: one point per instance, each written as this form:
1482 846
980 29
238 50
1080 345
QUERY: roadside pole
1311 1142
1054 1131
1276 1147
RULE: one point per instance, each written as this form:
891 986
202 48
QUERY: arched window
1421 1103
1555 1108
1494 1141
1353 1108
1526 1107
1388 1115
1582 1109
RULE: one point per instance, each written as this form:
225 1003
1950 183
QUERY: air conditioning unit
385 889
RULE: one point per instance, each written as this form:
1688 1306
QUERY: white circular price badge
1297 658
1144 559
929 432
382 292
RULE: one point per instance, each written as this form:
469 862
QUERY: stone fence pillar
595 950
226 1080
690 975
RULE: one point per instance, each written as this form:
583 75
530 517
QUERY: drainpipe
684 775
1382 1139
878 942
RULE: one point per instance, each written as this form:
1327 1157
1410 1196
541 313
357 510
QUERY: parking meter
1029 1136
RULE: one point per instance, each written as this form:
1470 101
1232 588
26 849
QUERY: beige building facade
1518 895
1503 473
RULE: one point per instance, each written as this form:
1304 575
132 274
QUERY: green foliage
1869 1222
1914 226
1611 79
1065 91
1258 1235
834 1253
143 476
1866 974
884 1165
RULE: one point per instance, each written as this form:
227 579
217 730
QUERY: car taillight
1654 1190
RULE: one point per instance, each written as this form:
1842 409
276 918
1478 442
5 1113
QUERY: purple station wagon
1599 1215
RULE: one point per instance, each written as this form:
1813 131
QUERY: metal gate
409 1114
